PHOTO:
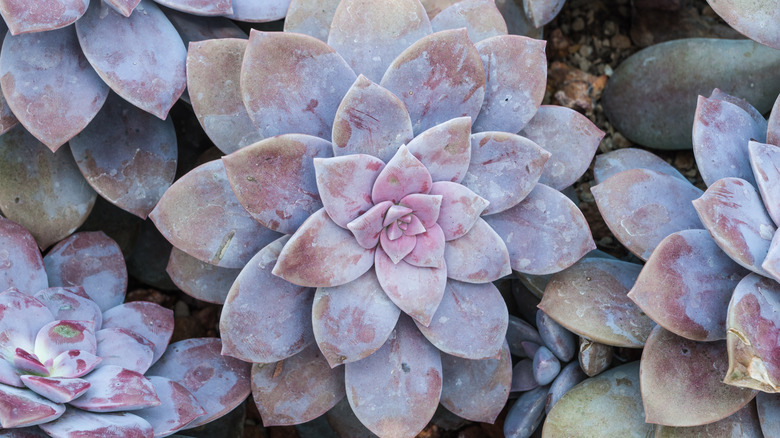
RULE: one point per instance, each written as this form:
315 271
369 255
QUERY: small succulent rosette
78 362
391 178
710 275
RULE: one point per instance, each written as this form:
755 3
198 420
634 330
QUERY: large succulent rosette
392 167
77 362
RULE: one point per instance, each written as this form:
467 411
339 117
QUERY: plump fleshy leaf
481 18
544 233
519 331
124 7
476 389
370 120
743 423
526 413
219 383
691 392
125 348
178 407
150 320
21 317
616 161
545 366
200 215
284 321
589 409
345 183
274 179
569 377
64 336
445 149
557 338
572 142
322 254
773 124
479 256
28 363
757 21
258 11
429 249
504 168
765 163
37 16
470 322
200 280
23 267
395 391
92 260
541 12
590 299
369 227
75 423
48 196
403 175
732 211
276 61
71 303
639 218
199 7
113 388
460 208
74 363
445 65
686 285
311 18
516 71
298 389
49 85
56 389
768 409
22 408
523 376
752 336
344 422
354 320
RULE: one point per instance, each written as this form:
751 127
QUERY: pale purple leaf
22 408
198 279
92 260
757 21
200 215
480 256
65 336
773 124
545 366
124 7
70 303
28 363
569 377
276 61
570 137
344 422
516 71
526 413
429 249
765 164
541 12
219 383
639 218
259 11
445 149
370 35
395 391
504 168
48 196
56 389
178 407
557 338
76 423
403 175
544 233
298 389
470 322
369 226
523 376
732 211
440 77
460 208
48 84
744 423
73 363
616 161
124 347
199 7
23 16
354 320
274 331
21 318
141 57
686 285
7 118
345 183
150 320
691 392
519 331
311 18
113 388
769 413
771 263
481 18
22 267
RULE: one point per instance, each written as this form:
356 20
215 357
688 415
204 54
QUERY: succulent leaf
523 376
525 415
479 256
178 407
21 318
541 12
460 208
481 18
76 423
71 303
311 18
64 336
558 339
113 388
345 184
743 423
125 348
56 389
429 249
403 175
570 376
445 149
765 163
199 7
23 16
616 161
198 279
73 363
757 21
22 268
258 11
150 320
768 409
124 7
23 408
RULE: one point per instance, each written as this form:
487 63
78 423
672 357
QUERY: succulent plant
77 362
391 178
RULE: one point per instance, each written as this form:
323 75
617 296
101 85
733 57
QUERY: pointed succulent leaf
446 65
345 183
65 336
765 163
476 389
721 132
370 35
73 363
754 20
743 423
572 142
322 254
126 348
686 285
445 149
523 376
284 320
479 256
75 423
38 16
519 331
198 279
113 388
150 320
213 83
541 12
22 268
311 18
773 124
26 362
516 73
258 12
559 340
124 7
691 392
274 179
416 291
9 374
354 320
481 18
429 249
200 215
276 61
403 175
92 260
395 391
544 233
298 389
219 383
768 409
22 408
589 408
178 407
368 227
504 168
639 218
460 208
199 7
399 248
56 389
732 210
70 303
49 86
752 336
742 103
771 263
21 318
470 322
370 120
48 196
616 161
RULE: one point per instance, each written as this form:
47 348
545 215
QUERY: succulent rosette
77 362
